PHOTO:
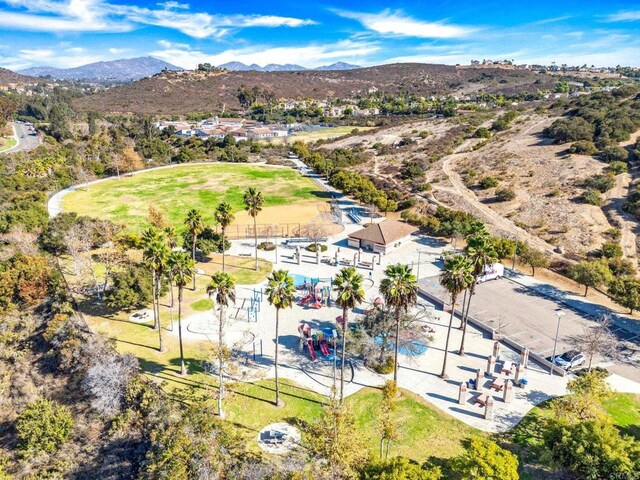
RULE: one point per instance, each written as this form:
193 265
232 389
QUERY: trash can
471 383
523 383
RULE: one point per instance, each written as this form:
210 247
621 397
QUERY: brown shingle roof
385 232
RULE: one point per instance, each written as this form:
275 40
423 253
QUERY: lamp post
515 251
418 269
559 314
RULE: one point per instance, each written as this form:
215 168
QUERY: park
482 393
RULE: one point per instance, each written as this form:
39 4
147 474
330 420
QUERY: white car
570 359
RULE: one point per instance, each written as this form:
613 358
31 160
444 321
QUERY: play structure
316 291
323 341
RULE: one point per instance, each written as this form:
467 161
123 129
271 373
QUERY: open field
289 197
7 143
327 133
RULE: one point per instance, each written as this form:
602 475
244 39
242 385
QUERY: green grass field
176 190
7 143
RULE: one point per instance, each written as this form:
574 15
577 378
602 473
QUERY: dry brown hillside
184 92
7 77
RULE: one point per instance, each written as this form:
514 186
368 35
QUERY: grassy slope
7 143
176 190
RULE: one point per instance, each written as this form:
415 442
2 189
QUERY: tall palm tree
400 291
480 253
224 217
253 202
280 293
348 287
155 253
221 289
182 269
195 224
455 278
172 241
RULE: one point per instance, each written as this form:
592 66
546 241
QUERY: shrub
267 246
505 194
583 147
570 129
482 132
384 367
44 426
592 197
617 167
611 250
602 182
613 153
488 182
130 288
314 247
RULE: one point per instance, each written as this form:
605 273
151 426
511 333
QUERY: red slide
306 299
324 348
312 352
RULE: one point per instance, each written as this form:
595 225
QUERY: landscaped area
7 143
289 197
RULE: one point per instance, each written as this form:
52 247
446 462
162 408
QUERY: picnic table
507 368
498 383
482 399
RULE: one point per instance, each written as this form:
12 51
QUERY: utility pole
559 314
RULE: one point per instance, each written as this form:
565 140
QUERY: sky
69 33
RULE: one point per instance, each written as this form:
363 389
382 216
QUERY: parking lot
528 316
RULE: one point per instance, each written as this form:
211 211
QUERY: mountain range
288 67
121 70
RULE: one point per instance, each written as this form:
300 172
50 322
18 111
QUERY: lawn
289 197
424 430
7 143
327 133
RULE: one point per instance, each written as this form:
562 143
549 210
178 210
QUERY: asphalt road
25 140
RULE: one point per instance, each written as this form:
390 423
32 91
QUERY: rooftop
385 232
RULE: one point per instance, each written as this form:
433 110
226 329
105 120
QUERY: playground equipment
322 340
254 306
318 291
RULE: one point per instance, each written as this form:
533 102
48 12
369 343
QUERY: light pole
418 269
515 251
559 314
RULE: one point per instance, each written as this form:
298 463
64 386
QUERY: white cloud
118 51
389 22
102 16
624 16
309 55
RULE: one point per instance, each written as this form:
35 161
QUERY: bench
365 264
498 383
507 368
482 399
244 254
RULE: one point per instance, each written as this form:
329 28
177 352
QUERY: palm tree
348 287
253 202
182 269
479 253
224 217
223 288
455 278
280 293
155 253
172 241
195 224
400 291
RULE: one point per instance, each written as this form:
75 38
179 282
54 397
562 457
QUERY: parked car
570 359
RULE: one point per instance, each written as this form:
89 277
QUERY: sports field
289 197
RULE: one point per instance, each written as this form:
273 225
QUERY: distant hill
288 67
176 93
116 70
7 77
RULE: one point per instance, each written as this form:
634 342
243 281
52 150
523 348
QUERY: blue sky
67 33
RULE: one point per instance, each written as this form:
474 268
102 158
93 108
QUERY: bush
614 153
130 288
570 129
44 426
482 132
267 246
601 182
505 194
383 368
617 167
592 197
488 182
583 147
611 250
314 247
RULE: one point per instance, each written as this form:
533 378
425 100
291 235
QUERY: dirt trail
616 197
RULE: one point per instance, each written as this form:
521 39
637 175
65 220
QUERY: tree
590 274
224 217
221 289
399 468
456 278
533 257
349 293
386 424
195 225
626 292
130 288
157 218
588 392
182 269
155 254
44 426
280 293
485 460
399 289
335 438
596 340
253 203
480 254
593 449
